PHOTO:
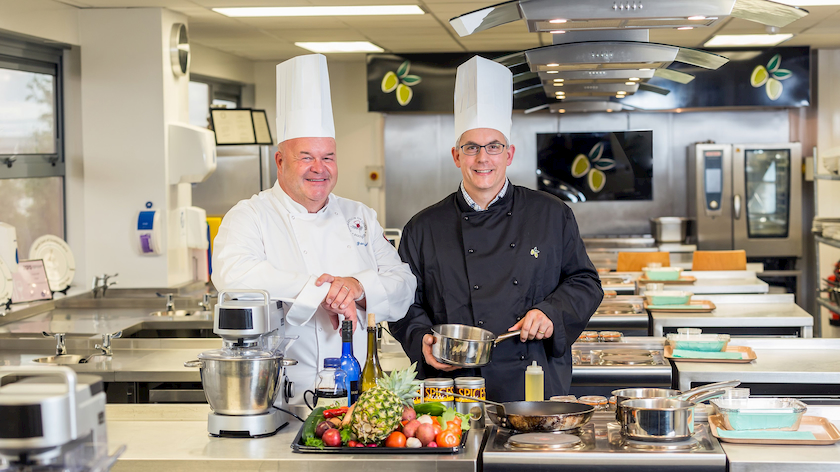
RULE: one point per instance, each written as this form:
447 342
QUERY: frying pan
529 417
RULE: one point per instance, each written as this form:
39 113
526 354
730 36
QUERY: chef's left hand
534 325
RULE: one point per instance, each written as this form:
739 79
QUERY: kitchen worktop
778 361
774 310
174 438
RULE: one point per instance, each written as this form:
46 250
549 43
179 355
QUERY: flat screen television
581 167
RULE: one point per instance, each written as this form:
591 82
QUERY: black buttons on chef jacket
466 218
512 244
515 282
521 358
471 251
475 287
481 322
509 213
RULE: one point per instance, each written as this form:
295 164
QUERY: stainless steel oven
747 196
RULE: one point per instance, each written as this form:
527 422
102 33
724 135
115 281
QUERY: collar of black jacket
503 204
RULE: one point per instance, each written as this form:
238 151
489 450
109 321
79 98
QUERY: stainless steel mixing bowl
241 385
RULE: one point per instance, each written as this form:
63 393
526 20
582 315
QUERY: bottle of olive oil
372 370
534 383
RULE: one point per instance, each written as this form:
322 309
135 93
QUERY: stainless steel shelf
830 242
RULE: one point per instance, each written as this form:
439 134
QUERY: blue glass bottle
349 363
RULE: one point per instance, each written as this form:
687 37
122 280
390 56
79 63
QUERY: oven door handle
736 206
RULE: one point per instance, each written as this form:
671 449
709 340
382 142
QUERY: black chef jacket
487 269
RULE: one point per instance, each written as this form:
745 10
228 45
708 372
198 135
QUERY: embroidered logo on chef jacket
535 252
358 229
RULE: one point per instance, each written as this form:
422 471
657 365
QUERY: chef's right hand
428 340
349 313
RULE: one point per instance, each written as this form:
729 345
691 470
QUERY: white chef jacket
273 243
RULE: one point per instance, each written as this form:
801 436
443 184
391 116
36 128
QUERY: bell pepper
335 412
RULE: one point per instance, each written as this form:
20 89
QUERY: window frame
30 57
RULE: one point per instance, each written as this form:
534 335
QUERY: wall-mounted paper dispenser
192 153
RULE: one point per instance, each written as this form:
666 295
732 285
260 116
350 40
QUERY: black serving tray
298 446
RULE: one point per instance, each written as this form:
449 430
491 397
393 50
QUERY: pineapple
379 410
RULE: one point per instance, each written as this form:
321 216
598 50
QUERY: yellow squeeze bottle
534 384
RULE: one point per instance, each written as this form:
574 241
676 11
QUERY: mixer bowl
241 385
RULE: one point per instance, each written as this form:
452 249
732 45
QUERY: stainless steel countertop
174 438
778 360
767 458
771 314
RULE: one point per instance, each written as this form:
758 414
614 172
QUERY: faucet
170 302
100 285
105 347
204 304
60 345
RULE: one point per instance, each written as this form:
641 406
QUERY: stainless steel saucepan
465 346
529 417
634 393
661 419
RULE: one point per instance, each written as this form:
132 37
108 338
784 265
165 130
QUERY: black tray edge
300 448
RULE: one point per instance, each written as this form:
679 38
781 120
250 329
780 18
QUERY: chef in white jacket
325 256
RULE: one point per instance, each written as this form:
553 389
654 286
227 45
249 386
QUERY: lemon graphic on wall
404 94
758 77
597 180
390 82
580 166
774 89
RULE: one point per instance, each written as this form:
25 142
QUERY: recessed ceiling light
557 32
685 28
552 71
562 110
629 83
633 78
559 80
363 10
552 65
696 18
609 110
644 69
558 84
724 40
341 46
557 21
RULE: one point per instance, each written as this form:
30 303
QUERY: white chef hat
483 96
304 108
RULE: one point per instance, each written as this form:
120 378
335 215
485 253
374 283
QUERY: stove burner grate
543 441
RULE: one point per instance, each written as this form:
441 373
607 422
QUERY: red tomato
454 426
395 439
352 443
446 438
436 426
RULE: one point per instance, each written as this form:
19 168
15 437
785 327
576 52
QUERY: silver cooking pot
247 384
465 346
634 393
661 419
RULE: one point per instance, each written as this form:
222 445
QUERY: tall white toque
304 108
483 96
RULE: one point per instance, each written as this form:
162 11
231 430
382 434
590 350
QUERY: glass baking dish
668 297
745 414
694 340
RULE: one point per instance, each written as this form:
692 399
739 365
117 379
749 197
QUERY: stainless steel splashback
241 171
420 172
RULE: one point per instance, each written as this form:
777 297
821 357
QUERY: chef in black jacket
495 255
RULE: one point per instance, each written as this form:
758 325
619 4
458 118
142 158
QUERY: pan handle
703 388
707 395
502 337
476 399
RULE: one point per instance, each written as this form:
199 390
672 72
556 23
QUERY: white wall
211 62
45 19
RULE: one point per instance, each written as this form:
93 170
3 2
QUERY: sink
61 360
171 313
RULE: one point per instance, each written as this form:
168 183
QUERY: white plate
5 282
58 259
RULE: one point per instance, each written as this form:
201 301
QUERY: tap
205 302
60 345
100 285
170 302
105 347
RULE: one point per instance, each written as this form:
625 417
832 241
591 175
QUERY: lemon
389 82
580 166
597 180
404 94
774 89
758 77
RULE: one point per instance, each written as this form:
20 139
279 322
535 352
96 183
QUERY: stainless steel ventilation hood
586 106
577 15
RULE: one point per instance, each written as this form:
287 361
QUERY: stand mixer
243 380
53 420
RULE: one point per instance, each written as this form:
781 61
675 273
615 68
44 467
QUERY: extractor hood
575 15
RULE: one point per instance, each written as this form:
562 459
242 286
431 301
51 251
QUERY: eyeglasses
492 149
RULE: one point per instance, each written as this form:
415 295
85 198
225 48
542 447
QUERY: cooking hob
600 368
600 445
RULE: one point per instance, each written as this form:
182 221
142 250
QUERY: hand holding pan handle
502 337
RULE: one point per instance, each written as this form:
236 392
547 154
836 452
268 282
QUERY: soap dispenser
534 383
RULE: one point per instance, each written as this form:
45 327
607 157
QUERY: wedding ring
346 287
541 332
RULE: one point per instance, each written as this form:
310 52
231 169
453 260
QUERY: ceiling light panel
340 47
739 40
358 10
